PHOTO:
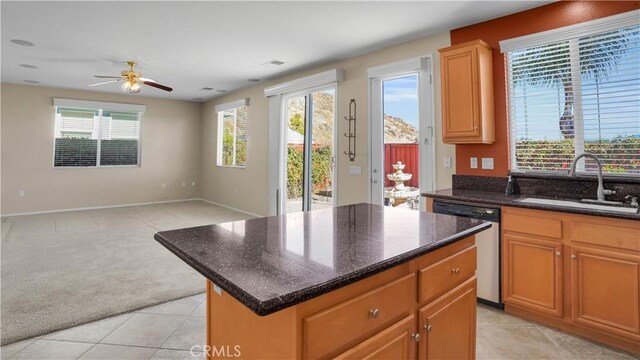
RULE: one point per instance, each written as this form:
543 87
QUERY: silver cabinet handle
558 253
428 328
374 313
415 337
573 257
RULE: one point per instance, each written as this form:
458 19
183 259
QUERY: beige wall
219 184
170 153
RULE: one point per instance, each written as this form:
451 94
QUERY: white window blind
232 137
577 95
96 137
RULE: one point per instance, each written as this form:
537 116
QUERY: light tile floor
170 330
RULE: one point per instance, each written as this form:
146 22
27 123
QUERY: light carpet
65 269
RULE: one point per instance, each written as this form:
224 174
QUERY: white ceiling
191 45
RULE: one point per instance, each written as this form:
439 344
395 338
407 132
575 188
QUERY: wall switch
236 189
21 193
355 170
447 161
487 163
474 162
164 185
193 183
184 184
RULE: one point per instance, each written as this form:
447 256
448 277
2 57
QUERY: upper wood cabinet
467 94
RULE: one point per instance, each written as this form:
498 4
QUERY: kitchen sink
581 205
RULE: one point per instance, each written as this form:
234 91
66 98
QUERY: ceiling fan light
135 87
126 85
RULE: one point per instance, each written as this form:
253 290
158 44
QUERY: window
88 136
576 94
232 133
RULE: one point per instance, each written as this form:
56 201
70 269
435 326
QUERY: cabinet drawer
528 223
356 319
599 234
447 273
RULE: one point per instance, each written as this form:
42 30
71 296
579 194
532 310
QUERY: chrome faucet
601 190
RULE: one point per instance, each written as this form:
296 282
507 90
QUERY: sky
400 98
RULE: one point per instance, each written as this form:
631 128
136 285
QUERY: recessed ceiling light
198 99
22 42
207 88
273 62
32 82
28 66
253 80
221 91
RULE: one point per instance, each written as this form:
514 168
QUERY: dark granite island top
271 263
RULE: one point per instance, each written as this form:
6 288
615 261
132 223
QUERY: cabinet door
605 288
449 325
395 342
532 273
460 97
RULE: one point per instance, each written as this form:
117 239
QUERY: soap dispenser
511 187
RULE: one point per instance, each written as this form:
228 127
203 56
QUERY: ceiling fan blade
104 82
107 77
158 86
147 79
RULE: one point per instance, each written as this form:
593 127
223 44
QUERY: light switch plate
447 161
355 170
487 163
474 162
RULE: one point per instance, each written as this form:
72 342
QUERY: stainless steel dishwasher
489 250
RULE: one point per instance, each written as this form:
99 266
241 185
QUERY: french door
308 164
401 100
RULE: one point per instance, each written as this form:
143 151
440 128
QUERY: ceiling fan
131 80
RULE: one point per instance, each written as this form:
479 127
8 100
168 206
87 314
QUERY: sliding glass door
308 171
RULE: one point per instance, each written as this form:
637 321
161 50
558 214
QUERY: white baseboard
103 207
229 207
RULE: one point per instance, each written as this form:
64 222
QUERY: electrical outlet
487 163
355 170
447 161
474 162
184 184
164 185
193 183
21 193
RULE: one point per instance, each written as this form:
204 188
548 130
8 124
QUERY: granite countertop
274 262
501 199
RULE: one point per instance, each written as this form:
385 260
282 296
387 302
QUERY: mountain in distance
396 130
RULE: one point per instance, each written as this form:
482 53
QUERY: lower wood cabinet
575 272
533 269
424 308
449 325
604 285
395 342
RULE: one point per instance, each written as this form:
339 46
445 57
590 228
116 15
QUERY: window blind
96 137
574 96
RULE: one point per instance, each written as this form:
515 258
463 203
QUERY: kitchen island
348 282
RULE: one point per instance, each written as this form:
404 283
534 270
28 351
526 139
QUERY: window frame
570 34
220 110
100 107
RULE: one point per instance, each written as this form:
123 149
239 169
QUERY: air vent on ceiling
207 88
273 62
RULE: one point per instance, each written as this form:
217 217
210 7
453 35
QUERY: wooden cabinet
449 325
380 317
592 288
533 273
467 94
604 287
395 342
